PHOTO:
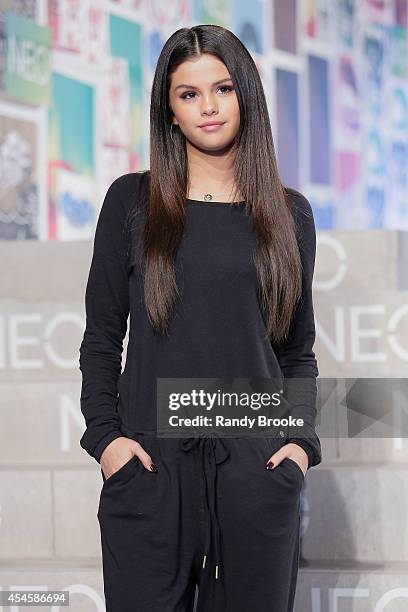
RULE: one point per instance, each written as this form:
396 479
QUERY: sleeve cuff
306 447
104 443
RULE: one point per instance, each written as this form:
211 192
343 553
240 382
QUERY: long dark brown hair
256 177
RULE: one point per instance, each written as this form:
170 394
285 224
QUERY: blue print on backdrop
247 21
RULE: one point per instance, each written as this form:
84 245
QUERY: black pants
212 516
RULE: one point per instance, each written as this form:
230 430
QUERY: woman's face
200 92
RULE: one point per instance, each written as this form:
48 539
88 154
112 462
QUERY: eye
187 93
227 87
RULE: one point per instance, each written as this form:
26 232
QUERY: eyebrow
192 86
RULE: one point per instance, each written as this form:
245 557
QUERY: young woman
213 258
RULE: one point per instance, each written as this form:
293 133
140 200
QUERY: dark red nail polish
153 468
269 465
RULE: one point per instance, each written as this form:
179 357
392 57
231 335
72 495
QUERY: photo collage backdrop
75 91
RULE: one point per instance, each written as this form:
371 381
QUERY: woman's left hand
293 451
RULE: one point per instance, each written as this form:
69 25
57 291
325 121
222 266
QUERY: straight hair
256 176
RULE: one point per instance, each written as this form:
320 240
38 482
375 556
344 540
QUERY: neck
210 173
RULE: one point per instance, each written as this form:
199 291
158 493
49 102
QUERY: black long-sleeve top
217 329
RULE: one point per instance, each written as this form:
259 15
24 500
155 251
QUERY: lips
211 127
210 123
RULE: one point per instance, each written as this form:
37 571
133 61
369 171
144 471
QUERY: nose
208 106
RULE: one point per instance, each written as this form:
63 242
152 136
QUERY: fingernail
269 465
153 468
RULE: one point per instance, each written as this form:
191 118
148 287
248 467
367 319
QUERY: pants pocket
294 466
123 470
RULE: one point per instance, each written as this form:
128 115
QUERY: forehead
204 70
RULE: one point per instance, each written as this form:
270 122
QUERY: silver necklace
208 197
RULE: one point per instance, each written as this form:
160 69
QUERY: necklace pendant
208 197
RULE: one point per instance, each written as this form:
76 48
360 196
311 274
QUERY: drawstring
213 451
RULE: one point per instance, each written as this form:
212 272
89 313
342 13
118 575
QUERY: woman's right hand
121 450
